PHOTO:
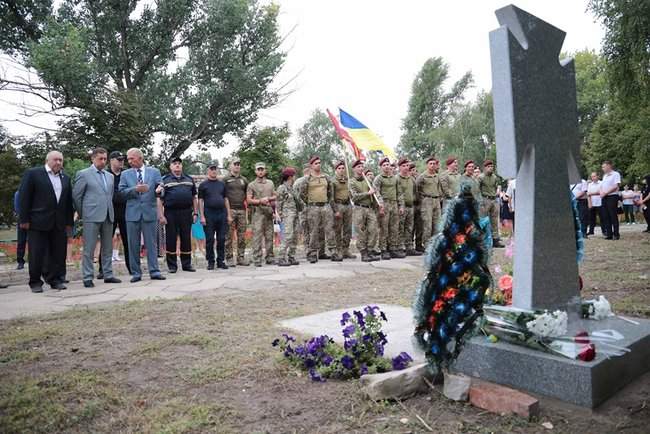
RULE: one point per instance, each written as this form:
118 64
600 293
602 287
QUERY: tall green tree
317 137
186 71
430 107
267 145
591 89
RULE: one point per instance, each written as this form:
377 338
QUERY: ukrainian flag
363 137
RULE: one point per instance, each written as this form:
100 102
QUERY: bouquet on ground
362 352
596 309
545 331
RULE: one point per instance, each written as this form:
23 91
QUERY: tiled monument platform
587 384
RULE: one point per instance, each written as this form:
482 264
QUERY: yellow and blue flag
363 137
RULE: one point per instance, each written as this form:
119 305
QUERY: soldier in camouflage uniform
406 187
376 207
365 216
342 212
450 180
288 207
468 177
236 187
417 215
488 183
430 192
318 195
304 223
386 187
260 196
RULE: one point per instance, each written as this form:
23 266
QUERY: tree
591 88
430 107
267 145
11 167
318 137
188 71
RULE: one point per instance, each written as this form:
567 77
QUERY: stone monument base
587 384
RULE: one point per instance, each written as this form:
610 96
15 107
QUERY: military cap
339 163
235 160
116 154
432 158
450 160
260 165
357 163
288 171
313 159
468 162
176 160
403 160
488 163
213 164
384 160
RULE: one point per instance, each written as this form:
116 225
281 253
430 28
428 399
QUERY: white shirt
594 187
55 179
579 190
610 180
628 197
510 192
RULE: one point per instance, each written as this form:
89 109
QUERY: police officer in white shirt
595 202
579 191
609 193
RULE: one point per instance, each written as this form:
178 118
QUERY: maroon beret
431 159
288 171
488 163
468 162
313 159
384 160
339 163
450 160
357 163
403 160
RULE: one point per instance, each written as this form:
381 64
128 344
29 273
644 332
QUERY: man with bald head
46 213
138 186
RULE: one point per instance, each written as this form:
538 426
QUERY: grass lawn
205 364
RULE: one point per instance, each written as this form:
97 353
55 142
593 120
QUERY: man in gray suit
93 198
138 185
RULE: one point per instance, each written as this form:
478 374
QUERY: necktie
103 176
140 180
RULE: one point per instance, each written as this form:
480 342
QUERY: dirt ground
206 364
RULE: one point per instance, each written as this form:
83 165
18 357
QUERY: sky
362 55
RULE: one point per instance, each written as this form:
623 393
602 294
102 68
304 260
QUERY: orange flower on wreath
438 306
460 238
450 293
469 228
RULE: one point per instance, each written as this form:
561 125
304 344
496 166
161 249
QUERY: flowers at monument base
597 309
362 352
450 297
549 324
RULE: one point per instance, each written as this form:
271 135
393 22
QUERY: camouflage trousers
389 227
306 233
430 211
406 229
239 225
365 223
319 219
417 228
262 233
290 226
490 208
343 229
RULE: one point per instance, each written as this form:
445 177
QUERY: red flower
505 283
582 337
438 306
469 228
588 353
460 239
432 322
450 293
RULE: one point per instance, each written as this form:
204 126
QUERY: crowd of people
394 213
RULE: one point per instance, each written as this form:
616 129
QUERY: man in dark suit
46 213
138 185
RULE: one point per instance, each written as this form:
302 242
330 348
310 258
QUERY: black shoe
20 266
210 266
190 269
283 263
112 280
324 256
135 279
158 277
365 257
293 261
65 281
100 276
270 262
312 260
173 270
616 237
37 289
222 265
413 253
3 285
348 255
88 284
398 254
336 258
609 238
258 264
59 286
374 258
385 255
497 244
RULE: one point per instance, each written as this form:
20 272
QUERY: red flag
345 136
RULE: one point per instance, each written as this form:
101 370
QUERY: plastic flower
432 322
460 238
505 282
450 293
587 353
438 306
469 228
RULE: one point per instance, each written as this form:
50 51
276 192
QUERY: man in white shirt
610 196
595 202
579 191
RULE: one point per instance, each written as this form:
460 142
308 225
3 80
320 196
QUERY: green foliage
11 168
22 21
626 47
430 107
591 88
268 145
318 137
188 71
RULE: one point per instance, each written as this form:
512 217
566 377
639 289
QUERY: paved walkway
18 300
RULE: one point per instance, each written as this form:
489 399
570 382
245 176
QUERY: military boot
336 257
324 256
385 255
293 261
348 255
411 252
230 262
365 257
397 254
283 263
243 262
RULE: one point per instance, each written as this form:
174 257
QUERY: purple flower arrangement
362 352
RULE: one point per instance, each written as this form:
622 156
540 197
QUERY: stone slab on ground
502 400
396 384
398 328
587 384
456 387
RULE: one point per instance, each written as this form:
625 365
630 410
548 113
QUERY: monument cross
538 143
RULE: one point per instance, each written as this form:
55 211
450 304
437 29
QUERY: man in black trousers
116 164
609 187
46 212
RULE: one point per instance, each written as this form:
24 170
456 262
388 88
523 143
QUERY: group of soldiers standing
394 213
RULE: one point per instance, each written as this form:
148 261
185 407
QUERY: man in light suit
138 185
93 198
